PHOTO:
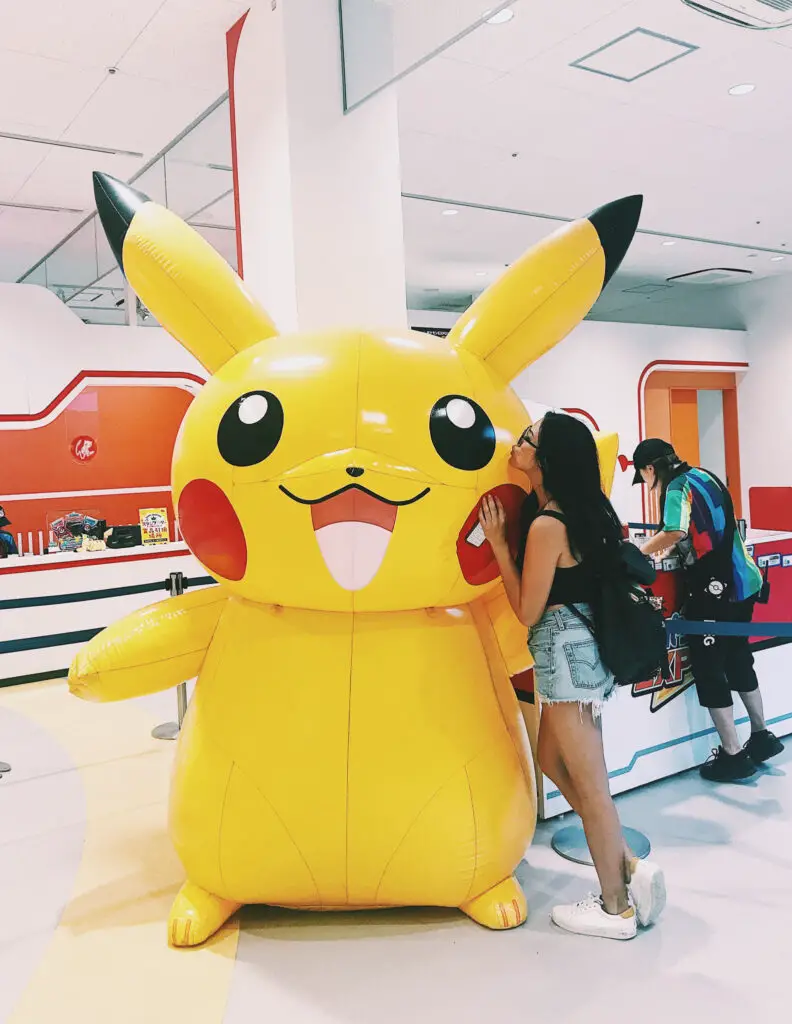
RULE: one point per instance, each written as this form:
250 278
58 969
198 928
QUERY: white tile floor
721 951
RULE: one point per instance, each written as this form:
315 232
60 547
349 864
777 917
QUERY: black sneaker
723 767
762 746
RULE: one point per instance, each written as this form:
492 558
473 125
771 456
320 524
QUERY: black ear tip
616 224
116 204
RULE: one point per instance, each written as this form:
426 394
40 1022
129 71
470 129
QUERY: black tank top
574 585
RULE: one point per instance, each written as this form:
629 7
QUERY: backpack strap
550 514
583 618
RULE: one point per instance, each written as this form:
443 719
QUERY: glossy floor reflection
87 875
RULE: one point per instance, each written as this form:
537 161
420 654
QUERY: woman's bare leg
552 764
571 749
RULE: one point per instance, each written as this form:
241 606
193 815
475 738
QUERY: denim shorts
567 663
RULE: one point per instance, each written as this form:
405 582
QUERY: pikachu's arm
153 649
510 633
512 639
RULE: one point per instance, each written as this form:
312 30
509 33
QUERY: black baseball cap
649 451
4 521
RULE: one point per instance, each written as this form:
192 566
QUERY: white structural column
318 191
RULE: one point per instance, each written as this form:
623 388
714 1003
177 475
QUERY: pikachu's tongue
353 530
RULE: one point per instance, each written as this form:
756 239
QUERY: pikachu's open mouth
353 528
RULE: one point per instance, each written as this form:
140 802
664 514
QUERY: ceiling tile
140 114
41 93
52 28
185 42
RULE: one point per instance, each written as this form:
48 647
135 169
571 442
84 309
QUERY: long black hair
567 455
668 468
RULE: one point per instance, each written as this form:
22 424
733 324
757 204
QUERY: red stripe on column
233 36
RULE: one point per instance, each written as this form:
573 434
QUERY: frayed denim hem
596 704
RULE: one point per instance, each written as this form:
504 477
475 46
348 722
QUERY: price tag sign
154 526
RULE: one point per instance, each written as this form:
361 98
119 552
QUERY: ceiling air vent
713 275
757 14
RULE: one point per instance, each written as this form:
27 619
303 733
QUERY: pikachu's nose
355 471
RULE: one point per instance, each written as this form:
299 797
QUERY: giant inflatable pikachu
353 741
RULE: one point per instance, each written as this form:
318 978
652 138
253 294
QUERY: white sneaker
589 918
648 890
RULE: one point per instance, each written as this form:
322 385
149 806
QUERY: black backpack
629 630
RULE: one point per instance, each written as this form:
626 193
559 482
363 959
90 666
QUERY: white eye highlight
461 413
253 409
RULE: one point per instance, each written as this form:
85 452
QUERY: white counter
653 731
54 601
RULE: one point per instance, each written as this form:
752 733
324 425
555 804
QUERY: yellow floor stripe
109 962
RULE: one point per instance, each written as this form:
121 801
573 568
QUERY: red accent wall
771 508
134 428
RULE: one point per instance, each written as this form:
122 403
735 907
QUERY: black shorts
721 664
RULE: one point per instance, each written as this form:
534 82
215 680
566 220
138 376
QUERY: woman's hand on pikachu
493 522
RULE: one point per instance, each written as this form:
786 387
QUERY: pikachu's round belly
332 760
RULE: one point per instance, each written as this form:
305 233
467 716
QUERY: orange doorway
697 412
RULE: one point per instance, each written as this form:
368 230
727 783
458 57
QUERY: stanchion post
570 843
181 698
170 730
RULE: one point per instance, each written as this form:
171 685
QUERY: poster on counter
154 526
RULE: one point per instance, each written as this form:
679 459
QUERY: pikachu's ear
608 451
185 283
538 301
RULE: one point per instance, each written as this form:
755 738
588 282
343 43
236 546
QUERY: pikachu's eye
251 429
462 433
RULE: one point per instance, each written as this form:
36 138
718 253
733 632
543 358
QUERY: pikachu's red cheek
476 559
212 530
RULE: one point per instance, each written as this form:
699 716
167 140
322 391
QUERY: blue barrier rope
98 595
37 643
764 629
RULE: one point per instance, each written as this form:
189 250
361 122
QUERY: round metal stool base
570 843
166 731
4 768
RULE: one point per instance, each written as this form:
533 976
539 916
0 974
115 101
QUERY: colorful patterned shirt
694 506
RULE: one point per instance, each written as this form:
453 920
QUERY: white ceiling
55 84
710 165
500 121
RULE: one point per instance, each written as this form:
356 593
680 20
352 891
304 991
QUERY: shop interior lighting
501 18
742 89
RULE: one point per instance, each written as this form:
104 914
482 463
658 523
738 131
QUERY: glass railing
384 40
193 177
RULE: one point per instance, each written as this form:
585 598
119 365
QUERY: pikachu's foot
196 915
500 908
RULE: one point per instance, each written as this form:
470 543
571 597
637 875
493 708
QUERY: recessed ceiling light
669 241
481 273
742 90
501 18
777 259
450 213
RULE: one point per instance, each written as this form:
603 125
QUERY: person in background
6 539
722 583
566 548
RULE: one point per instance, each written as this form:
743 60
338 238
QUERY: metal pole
570 843
171 730
4 768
